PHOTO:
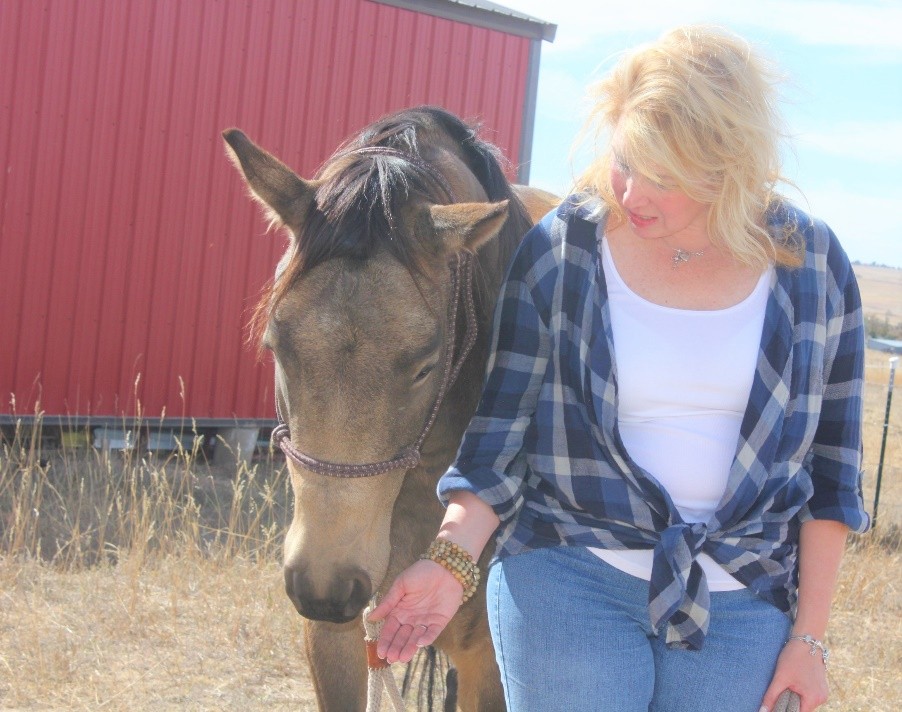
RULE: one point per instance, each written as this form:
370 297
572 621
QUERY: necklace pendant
681 256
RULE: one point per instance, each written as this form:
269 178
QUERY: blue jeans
571 633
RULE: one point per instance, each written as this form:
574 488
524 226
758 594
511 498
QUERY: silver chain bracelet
815 646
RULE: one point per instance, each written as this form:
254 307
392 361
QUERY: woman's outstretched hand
416 610
426 595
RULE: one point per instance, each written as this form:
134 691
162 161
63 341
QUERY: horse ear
468 225
285 197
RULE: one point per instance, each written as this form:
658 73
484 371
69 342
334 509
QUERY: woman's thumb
770 698
387 603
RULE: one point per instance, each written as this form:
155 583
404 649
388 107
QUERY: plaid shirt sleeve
836 451
490 462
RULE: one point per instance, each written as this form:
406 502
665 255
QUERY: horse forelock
359 204
365 183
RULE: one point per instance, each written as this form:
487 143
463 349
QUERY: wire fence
882 480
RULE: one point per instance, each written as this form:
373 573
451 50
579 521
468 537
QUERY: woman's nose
632 191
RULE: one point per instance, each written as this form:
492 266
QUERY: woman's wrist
469 522
456 561
801 627
815 645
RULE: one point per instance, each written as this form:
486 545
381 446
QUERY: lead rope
379 674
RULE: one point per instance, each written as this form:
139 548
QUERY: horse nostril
294 587
360 593
345 599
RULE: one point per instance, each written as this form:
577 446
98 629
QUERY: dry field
133 583
881 291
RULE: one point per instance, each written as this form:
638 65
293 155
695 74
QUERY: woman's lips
639 220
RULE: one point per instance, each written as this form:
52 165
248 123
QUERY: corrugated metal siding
129 253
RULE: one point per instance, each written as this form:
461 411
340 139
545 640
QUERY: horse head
358 325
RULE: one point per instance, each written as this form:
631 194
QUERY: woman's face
658 210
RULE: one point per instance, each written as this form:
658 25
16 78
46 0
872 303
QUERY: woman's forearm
469 522
821 546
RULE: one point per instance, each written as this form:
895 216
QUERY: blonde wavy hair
697 110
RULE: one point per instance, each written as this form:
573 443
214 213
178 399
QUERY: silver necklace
680 256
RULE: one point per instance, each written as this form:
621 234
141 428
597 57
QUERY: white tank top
684 378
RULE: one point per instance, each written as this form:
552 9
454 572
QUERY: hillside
881 291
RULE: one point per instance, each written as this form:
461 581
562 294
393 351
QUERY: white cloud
866 141
865 24
561 96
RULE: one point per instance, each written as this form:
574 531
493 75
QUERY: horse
377 370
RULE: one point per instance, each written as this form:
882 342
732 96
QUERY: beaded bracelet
456 560
815 646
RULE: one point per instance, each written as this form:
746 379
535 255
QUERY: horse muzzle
342 600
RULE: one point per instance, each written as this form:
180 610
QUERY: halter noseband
461 289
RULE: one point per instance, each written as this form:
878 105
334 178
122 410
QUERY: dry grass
877 374
134 583
175 634
881 291
865 634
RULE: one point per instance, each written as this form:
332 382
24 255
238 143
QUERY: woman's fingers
770 698
430 633
398 641
412 645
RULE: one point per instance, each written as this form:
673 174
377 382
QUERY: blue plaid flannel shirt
543 448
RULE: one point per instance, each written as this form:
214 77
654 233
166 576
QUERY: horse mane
369 176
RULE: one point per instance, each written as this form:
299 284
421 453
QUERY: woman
668 446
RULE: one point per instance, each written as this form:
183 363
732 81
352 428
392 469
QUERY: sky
841 63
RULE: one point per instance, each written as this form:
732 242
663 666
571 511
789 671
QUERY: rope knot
380 675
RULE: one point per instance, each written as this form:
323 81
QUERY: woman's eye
664 182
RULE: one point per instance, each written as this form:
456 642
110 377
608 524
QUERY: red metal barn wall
130 255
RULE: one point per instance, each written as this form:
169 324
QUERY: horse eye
425 372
